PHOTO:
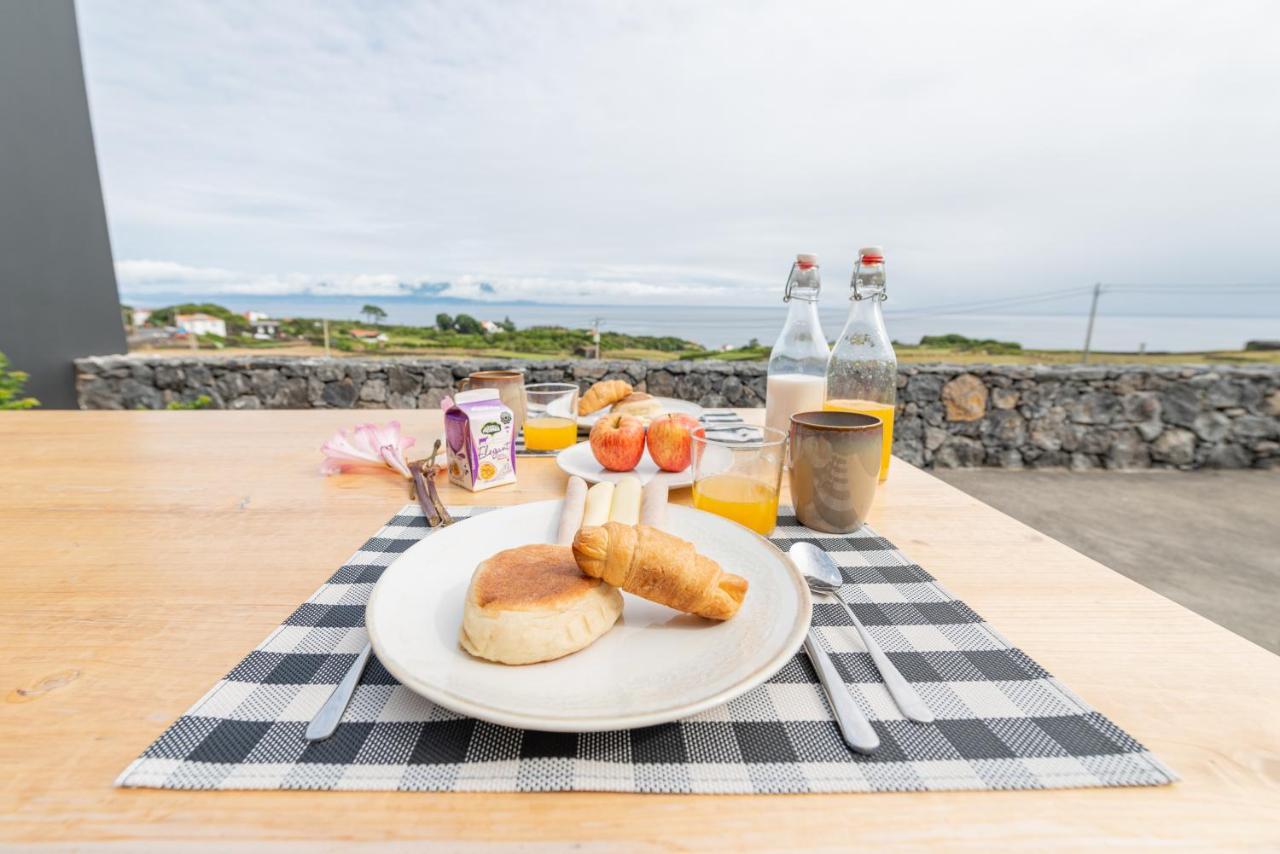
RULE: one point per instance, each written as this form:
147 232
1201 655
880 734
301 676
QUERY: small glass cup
552 420
835 464
740 480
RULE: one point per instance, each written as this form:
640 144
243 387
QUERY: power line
979 305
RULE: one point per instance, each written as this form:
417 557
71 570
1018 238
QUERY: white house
201 324
140 317
265 329
489 326
372 336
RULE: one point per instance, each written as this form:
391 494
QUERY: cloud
660 150
142 277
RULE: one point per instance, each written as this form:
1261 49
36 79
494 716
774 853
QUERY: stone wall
948 415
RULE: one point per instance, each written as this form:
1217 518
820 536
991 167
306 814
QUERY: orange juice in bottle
862 375
883 411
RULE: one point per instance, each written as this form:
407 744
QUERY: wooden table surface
144 553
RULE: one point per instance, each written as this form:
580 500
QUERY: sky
660 153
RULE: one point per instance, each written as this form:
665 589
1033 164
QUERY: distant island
211 328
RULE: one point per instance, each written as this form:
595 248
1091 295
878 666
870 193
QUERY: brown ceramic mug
835 466
510 386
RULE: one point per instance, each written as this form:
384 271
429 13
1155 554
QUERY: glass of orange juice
551 423
740 480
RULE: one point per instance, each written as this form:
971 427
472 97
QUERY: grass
907 354
918 355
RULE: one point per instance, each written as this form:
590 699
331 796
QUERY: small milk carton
480 433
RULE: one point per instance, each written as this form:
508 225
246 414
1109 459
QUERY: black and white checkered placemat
1003 722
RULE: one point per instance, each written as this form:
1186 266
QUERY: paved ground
1209 540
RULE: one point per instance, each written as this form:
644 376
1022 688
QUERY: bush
970 345
11 385
201 402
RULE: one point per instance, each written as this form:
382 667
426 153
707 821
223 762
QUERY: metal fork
325 723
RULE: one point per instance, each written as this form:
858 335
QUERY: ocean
714 326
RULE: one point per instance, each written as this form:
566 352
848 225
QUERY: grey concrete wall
58 297
948 416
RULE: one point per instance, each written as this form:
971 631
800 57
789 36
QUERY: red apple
617 441
671 441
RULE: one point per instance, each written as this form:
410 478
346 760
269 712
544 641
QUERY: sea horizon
715 326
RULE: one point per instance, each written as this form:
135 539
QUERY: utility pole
327 354
595 333
1088 334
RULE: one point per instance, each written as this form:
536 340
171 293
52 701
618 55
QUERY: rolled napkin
659 567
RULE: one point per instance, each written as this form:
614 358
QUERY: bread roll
639 404
532 603
660 567
602 394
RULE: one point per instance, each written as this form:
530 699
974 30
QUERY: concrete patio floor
1209 540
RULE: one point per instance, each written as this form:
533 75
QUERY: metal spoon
823 576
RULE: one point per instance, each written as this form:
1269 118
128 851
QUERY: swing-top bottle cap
806 260
871 255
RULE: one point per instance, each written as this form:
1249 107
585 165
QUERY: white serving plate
670 405
579 461
656 665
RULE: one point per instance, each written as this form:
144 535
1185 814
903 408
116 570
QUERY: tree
373 313
444 322
507 325
467 325
11 383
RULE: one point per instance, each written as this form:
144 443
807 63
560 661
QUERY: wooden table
144 553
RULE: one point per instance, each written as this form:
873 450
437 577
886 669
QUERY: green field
461 335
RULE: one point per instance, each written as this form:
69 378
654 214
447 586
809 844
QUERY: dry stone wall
1081 417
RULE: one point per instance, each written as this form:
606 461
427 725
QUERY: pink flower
367 445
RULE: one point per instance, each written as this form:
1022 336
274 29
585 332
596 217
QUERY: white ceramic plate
655 665
579 461
669 405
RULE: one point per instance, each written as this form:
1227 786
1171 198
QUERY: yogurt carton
480 434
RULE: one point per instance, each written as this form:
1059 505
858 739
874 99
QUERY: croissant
659 567
602 394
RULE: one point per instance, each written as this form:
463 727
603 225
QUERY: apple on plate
617 442
671 441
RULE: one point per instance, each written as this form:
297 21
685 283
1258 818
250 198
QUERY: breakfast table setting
551 615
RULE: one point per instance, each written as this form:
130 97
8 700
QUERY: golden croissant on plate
603 394
659 567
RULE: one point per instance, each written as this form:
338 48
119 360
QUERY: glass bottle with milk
798 361
863 373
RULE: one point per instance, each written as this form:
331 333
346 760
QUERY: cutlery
325 723
854 727
823 577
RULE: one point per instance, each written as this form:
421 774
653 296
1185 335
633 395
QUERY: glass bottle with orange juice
862 374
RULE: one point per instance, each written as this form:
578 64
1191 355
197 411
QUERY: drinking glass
835 463
740 480
552 422
510 386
